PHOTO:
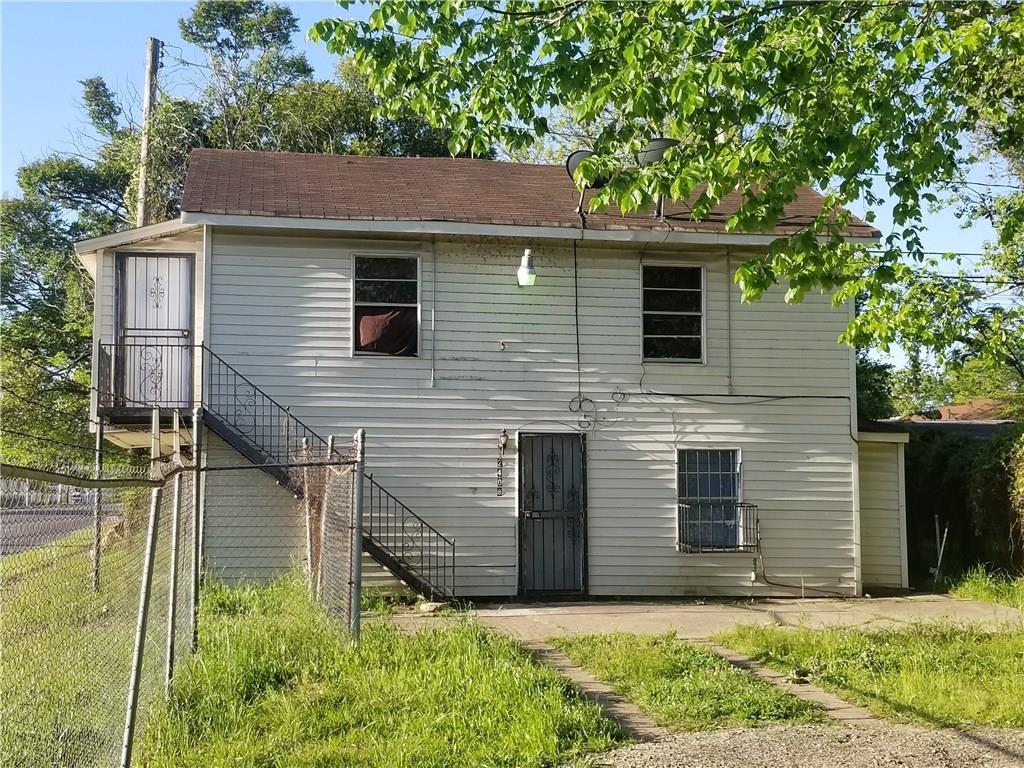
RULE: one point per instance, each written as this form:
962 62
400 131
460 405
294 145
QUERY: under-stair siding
254 527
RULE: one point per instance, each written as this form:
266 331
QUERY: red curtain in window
386 330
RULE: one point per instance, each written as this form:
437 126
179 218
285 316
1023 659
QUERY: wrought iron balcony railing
145 373
718 526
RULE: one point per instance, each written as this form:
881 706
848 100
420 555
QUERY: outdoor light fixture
526 274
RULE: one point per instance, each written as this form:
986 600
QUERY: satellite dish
654 152
572 162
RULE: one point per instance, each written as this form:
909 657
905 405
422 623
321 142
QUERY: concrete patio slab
539 621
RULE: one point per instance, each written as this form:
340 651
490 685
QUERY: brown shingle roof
429 189
978 409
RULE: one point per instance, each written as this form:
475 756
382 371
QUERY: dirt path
880 746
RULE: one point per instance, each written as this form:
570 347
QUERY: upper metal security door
154 358
552 513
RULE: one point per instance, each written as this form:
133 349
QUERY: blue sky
47 47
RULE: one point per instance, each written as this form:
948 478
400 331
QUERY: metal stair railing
259 427
266 433
415 547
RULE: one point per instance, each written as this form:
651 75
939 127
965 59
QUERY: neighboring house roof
870 425
431 189
980 409
968 428
872 431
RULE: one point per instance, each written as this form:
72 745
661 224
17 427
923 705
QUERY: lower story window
711 516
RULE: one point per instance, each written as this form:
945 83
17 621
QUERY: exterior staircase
268 435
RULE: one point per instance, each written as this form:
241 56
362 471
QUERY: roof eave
421 227
129 236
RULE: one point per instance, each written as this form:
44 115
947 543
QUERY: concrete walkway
539 621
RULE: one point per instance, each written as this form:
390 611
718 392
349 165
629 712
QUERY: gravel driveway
875 746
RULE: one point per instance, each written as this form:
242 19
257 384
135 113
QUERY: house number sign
500 475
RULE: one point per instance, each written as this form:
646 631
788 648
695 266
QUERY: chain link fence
72 559
334 576
331 510
99 587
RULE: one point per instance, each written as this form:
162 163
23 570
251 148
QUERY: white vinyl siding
269 538
495 356
882 505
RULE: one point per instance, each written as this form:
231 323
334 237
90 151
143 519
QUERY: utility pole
153 47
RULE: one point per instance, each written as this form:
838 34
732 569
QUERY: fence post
172 587
355 608
97 509
131 710
197 508
308 504
323 520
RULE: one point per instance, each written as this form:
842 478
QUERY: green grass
384 601
939 674
66 651
275 684
681 685
980 584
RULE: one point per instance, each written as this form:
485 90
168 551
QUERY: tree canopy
869 102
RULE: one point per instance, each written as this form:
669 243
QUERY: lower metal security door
552 514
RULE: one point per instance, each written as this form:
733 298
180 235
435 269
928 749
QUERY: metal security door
552 514
154 358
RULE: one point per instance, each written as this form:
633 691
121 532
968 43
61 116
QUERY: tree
764 97
874 388
248 47
45 308
255 92
340 117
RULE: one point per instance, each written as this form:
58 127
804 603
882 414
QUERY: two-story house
600 416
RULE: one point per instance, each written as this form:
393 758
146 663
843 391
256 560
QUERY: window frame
353 328
742 545
702 360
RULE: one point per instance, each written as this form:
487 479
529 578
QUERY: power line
965 182
29 401
51 440
65 370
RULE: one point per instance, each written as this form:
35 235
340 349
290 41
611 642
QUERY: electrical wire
7 392
51 440
802 587
576 315
700 397
580 404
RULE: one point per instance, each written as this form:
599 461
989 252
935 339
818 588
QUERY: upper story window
385 305
673 310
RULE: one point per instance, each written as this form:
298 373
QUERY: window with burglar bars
712 518
386 305
673 313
